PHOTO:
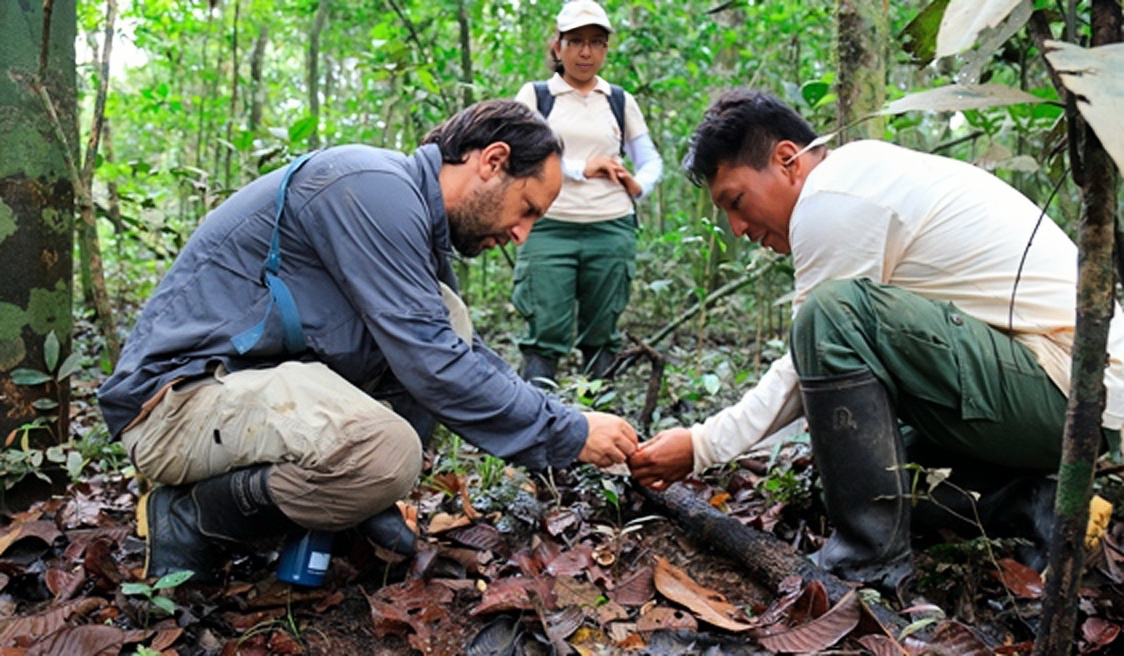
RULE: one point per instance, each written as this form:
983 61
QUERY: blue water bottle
305 557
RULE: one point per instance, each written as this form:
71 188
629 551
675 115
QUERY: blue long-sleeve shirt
364 242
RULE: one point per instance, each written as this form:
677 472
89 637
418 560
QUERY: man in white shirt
927 291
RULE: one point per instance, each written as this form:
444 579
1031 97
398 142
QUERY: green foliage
154 601
52 376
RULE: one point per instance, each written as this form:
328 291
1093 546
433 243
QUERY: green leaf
29 377
44 404
136 588
74 464
164 604
814 91
711 384
173 579
69 366
919 38
56 454
51 351
302 129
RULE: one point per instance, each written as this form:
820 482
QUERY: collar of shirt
427 159
558 86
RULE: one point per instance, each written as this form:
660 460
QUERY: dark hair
531 140
552 60
741 127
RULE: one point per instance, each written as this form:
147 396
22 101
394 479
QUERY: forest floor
575 561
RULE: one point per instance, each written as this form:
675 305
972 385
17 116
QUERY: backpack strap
616 103
544 99
544 102
279 294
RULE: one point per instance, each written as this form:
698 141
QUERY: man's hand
611 440
664 459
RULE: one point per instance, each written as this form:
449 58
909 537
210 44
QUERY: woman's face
582 51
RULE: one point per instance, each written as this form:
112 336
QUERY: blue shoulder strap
279 295
544 99
616 103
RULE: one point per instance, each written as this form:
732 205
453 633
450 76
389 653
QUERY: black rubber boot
188 526
539 370
858 453
388 530
597 360
1002 501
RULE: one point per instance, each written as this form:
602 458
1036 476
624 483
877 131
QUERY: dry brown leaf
1098 632
709 605
42 529
443 521
30 628
484 537
820 633
1020 580
88 639
558 520
951 637
569 591
570 563
662 617
466 505
635 589
512 594
420 610
165 638
63 584
880 645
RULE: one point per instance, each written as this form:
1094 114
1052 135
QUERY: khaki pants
339 455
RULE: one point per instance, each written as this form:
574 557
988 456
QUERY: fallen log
766 558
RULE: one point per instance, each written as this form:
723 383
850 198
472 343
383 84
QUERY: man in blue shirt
315 416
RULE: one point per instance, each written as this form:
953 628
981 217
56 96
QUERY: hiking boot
539 370
859 456
187 527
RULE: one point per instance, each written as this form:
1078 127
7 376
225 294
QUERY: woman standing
578 262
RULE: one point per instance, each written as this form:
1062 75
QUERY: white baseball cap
580 13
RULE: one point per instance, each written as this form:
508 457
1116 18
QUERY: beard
473 220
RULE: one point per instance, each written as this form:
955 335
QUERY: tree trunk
256 60
37 81
466 53
313 63
1086 398
228 151
89 245
861 41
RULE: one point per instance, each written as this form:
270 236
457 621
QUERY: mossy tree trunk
1096 174
862 46
38 134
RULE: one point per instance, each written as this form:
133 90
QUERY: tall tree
861 43
38 135
313 80
1094 170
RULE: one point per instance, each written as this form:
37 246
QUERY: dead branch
766 558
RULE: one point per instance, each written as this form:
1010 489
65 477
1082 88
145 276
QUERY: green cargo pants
574 270
958 382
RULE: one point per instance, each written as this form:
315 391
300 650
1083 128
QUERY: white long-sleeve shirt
940 228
